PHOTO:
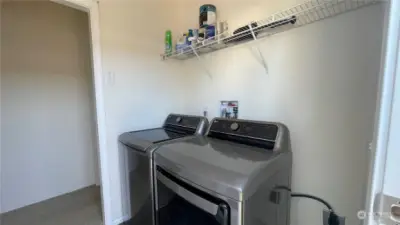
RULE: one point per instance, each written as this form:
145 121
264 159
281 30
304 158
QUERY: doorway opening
50 169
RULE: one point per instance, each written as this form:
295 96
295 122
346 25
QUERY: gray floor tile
82 207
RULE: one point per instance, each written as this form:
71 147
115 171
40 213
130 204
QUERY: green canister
168 42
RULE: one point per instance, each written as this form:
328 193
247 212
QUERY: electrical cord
333 218
298 195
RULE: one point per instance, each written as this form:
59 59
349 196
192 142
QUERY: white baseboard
121 220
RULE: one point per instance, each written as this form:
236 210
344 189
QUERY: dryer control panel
257 133
252 129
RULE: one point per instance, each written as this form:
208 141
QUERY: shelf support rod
264 64
201 60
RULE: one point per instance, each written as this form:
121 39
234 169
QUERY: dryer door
178 203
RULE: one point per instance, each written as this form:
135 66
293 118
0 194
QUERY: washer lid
141 140
175 126
230 169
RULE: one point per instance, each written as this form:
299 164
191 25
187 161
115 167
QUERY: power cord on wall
333 218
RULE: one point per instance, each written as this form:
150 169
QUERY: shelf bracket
202 62
263 62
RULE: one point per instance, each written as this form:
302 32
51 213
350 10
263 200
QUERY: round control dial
235 126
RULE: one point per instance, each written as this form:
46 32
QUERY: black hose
298 195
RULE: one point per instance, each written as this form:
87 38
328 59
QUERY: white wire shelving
300 15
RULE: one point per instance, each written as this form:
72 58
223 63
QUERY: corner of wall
0 112
121 220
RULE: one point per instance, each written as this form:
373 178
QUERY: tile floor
82 207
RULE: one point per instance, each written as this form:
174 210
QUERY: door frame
92 8
390 70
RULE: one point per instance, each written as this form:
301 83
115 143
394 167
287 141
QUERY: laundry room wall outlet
325 216
110 78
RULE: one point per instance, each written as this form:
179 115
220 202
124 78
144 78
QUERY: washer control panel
182 121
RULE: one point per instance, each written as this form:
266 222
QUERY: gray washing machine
237 175
138 169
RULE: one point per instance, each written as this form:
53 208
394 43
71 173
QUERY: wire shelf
305 13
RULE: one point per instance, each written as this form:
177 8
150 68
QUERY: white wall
141 90
384 167
0 111
48 137
322 83
322 78
391 181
